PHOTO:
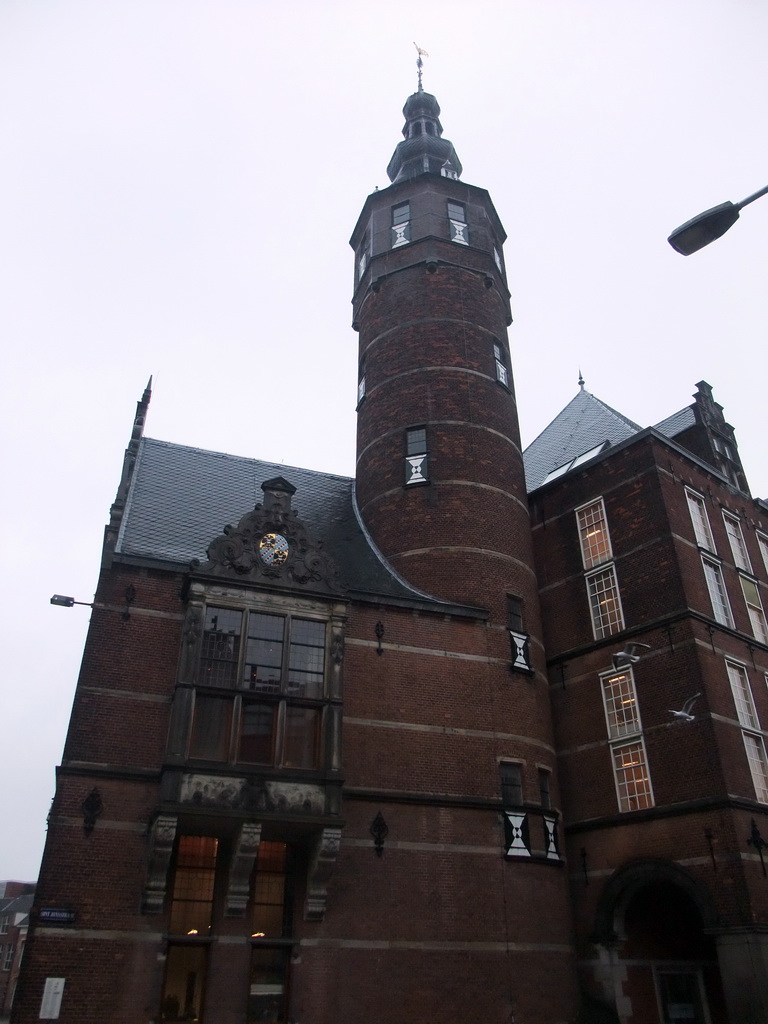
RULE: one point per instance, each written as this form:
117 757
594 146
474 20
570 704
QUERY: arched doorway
653 918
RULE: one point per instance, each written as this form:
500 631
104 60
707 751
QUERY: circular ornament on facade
273 549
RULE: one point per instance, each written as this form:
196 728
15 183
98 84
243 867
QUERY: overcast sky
178 183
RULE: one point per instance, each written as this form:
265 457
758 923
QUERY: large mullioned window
275 664
754 609
700 520
750 724
630 765
718 595
602 586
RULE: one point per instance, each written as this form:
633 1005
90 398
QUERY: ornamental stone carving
324 853
240 868
161 838
271 543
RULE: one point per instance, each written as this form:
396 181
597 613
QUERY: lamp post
706 227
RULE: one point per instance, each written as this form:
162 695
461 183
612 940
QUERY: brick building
15 904
402 745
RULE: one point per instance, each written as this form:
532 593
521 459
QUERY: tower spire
420 64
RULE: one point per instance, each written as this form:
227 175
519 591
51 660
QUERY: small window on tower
457 222
416 456
361 382
363 254
544 795
511 784
521 658
500 358
401 224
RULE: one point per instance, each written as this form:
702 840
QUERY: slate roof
181 498
582 425
677 422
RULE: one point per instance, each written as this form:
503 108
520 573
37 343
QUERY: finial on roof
420 63
581 380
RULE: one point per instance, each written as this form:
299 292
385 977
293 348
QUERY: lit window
401 224
457 221
511 784
633 783
192 900
620 701
604 603
185 968
717 592
736 540
593 534
762 543
271 927
416 457
502 373
700 521
755 609
278 672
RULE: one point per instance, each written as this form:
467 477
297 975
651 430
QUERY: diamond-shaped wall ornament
550 838
416 469
517 834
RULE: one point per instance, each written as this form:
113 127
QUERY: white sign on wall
51 1004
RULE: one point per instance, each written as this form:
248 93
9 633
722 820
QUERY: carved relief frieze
322 862
161 839
240 868
251 794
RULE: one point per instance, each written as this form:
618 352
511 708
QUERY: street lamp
706 227
64 601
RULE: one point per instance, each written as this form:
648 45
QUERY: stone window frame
755 610
702 528
718 593
634 791
736 540
606 612
457 222
328 611
762 543
592 515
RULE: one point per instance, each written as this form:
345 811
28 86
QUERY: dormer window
457 222
401 224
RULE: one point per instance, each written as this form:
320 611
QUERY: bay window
274 669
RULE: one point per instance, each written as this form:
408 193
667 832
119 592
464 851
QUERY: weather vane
420 62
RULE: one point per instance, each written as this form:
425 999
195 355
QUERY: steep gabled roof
584 424
180 498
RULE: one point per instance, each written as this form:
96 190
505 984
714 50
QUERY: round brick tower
440 480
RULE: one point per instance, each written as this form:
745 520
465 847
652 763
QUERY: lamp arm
752 198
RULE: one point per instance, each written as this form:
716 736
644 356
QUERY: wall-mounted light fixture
66 602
